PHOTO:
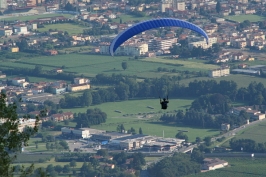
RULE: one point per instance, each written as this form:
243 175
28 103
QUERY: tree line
247 145
177 165
125 87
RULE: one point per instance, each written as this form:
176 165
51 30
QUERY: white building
219 72
164 6
202 43
181 6
23 123
127 49
3 4
18 81
81 133
20 29
161 44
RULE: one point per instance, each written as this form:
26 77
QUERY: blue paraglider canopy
150 24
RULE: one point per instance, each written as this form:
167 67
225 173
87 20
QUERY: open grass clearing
135 107
250 17
241 79
32 17
238 167
70 28
188 64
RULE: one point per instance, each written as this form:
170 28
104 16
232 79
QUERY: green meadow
70 28
250 17
134 107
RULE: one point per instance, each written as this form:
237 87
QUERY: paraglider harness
164 102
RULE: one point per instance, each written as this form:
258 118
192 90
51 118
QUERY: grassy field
126 18
52 161
239 167
40 79
70 28
90 65
155 128
240 79
241 18
135 107
192 65
32 17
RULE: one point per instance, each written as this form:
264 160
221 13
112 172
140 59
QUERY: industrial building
124 141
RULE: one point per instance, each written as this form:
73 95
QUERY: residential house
14 49
51 52
58 90
225 127
57 70
57 117
6 32
212 164
20 29
2 75
17 81
68 115
81 80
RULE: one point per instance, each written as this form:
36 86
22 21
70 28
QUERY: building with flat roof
107 136
80 133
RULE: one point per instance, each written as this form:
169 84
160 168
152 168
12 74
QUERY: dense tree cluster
91 117
247 145
212 103
178 165
216 99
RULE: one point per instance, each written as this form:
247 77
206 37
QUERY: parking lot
79 145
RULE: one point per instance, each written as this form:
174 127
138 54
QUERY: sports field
238 167
70 28
241 18
32 17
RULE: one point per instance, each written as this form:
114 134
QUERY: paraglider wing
150 24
